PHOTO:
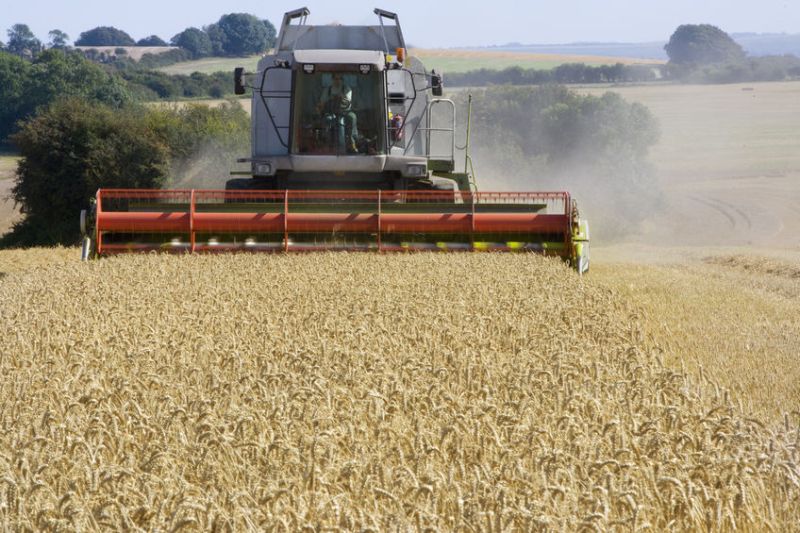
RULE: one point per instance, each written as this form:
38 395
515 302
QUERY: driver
336 104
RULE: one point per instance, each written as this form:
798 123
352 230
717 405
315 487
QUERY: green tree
53 74
194 40
217 38
105 36
14 74
68 152
21 40
58 39
152 40
73 147
702 44
272 33
56 74
239 34
204 142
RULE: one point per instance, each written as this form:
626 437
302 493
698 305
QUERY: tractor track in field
736 209
721 209
737 218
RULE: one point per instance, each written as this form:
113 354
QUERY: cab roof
376 59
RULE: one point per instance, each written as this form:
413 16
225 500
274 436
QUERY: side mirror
436 83
238 80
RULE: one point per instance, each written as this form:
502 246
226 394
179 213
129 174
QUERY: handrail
402 129
452 130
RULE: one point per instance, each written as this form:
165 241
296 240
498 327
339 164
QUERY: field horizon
443 60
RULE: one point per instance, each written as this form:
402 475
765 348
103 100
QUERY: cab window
339 113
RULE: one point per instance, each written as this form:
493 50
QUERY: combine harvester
353 148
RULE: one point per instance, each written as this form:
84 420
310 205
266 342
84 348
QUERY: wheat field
363 392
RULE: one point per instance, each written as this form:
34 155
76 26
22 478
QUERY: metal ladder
445 160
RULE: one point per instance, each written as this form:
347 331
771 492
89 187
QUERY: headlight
416 170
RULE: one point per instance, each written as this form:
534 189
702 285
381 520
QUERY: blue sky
425 22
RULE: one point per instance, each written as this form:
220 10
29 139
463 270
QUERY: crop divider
380 246
286 220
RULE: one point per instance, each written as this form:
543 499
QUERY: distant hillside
449 60
755 44
769 44
652 50
537 56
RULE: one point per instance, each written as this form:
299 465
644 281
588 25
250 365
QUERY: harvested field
8 165
349 391
728 163
133 52
210 65
8 211
457 60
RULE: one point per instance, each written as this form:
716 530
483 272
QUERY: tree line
698 53
234 34
22 42
78 127
76 145
26 85
702 53
566 73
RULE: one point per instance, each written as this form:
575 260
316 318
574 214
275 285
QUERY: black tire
250 184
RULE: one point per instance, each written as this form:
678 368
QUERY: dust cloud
724 171
727 165
601 159
208 168
615 204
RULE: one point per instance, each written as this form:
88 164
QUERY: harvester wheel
250 184
446 187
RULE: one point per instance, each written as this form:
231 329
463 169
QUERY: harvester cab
345 108
353 147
